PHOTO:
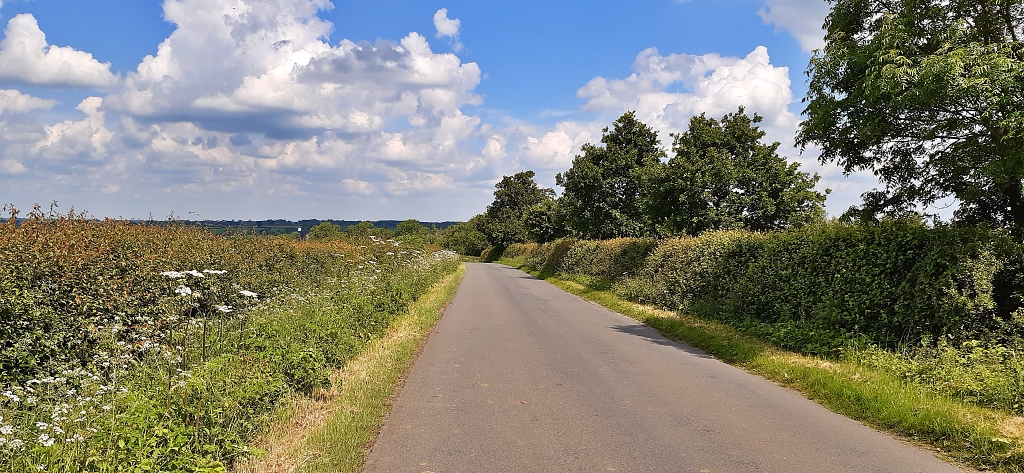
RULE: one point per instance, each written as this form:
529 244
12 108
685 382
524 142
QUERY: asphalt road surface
521 376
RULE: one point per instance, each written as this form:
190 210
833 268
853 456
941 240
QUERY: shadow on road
653 336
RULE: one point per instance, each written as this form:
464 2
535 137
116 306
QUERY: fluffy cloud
448 28
555 149
17 102
26 58
71 139
236 66
249 97
711 84
802 18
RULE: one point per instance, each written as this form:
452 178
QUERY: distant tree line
462 237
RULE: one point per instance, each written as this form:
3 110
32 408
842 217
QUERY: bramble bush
164 348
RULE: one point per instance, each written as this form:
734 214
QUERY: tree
504 222
928 95
366 229
722 176
410 227
324 231
545 221
464 238
605 186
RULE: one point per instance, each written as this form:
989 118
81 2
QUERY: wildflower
6 430
16 444
224 308
248 293
214 271
173 274
183 290
43 466
45 440
195 273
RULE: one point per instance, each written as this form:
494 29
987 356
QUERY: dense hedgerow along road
521 376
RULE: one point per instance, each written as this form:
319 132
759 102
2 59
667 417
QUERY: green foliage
818 288
983 373
464 238
145 348
723 177
605 187
926 94
411 227
366 230
504 221
324 231
545 221
607 260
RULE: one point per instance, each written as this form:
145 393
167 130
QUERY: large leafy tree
605 188
504 222
929 95
465 237
723 176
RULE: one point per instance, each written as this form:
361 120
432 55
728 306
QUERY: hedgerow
939 306
817 288
132 347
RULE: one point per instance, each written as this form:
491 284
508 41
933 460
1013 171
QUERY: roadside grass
983 438
333 431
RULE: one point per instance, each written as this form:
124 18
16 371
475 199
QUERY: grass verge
330 432
982 438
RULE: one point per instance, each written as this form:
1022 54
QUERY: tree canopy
722 176
928 95
324 231
504 221
605 188
410 227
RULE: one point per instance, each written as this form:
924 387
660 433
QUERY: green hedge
818 288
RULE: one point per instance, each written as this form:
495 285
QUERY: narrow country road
521 376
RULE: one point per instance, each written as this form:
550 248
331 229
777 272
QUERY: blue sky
368 110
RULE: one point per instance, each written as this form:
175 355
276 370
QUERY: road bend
521 376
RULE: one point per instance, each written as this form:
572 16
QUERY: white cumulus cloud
265 67
17 102
69 138
802 18
26 58
665 91
448 28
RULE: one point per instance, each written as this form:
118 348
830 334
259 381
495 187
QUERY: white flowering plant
152 347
